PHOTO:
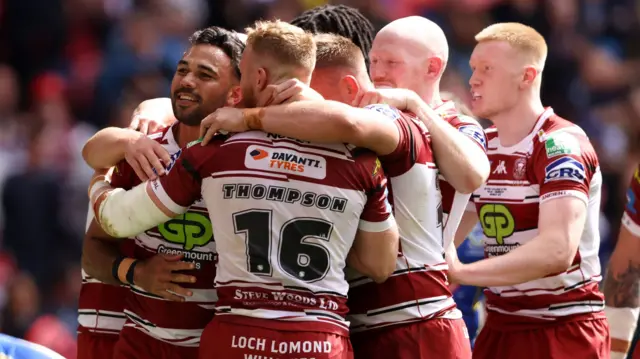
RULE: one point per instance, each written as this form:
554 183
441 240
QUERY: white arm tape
128 213
460 201
622 322
617 355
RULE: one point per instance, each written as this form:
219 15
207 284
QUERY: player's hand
398 98
286 92
223 120
151 116
160 275
145 155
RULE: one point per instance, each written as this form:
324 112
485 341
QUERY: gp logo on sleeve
476 133
565 168
388 111
285 160
561 143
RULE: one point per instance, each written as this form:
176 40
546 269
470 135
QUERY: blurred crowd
71 67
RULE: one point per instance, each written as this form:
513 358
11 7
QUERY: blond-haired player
539 211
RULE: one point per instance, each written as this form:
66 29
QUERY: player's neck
516 124
185 134
431 96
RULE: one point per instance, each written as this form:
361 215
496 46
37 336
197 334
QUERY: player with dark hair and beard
170 269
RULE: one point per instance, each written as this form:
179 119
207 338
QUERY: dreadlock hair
341 20
227 41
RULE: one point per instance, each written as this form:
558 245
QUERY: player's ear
234 96
435 67
261 79
348 88
529 77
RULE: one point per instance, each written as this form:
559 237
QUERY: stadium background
71 67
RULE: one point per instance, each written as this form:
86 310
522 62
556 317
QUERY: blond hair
287 44
335 50
521 37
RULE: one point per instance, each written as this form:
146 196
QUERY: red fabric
234 338
430 339
96 346
567 340
134 344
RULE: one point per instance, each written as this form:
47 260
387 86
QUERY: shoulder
559 137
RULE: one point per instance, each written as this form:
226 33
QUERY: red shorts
436 338
242 339
584 339
96 346
134 344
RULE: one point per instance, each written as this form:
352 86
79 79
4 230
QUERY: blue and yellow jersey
14 348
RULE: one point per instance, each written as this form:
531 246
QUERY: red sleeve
565 164
631 217
471 128
181 186
124 176
376 214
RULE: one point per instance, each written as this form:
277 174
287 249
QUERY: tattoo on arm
622 290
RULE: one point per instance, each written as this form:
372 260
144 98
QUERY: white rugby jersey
555 160
284 214
418 289
631 217
189 234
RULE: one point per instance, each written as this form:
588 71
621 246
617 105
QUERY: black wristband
116 266
130 272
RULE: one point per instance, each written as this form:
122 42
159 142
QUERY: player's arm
108 146
622 283
99 253
375 249
468 222
124 213
460 154
315 121
560 227
461 159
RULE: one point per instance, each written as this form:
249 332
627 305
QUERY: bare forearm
315 121
462 162
622 282
530 261
98 256
107 147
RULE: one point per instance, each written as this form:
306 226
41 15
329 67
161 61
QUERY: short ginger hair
519 36
289 45
334 50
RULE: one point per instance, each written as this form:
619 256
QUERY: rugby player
284 212
623 277
412 314
539 210
159 324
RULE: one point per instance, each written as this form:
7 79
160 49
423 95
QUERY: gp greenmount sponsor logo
558 144
497 222
191 231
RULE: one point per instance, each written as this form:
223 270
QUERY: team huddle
306 190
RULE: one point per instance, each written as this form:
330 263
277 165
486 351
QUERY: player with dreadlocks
341 20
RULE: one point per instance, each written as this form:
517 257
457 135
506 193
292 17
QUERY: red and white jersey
555 160
101 305
189 234
418 289
284 214
631 216
472 129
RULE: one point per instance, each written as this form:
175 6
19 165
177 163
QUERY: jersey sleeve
123 176
631 216
376 215
180 187
565 165
472 129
